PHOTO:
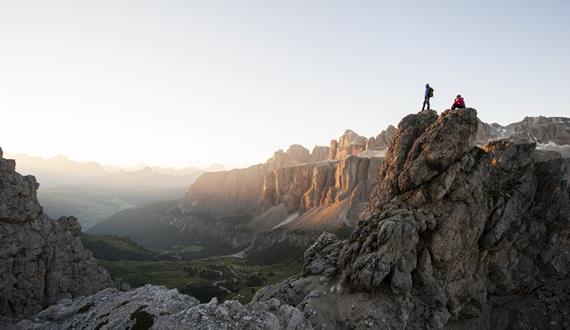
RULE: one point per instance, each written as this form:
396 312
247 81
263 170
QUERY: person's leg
424 105
429 107
453 107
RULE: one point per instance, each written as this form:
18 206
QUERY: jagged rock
322 256
488 132
381 141
350 144
334 149
543 129
296 154
18 201
160 308
320 153
42 261
454 234
550 133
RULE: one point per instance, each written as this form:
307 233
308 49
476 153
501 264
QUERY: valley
93 192
225 277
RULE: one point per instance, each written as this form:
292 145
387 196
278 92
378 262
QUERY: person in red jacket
459 103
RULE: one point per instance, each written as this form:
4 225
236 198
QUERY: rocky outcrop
320 153
159 308
381 141
488 132
543 129
456 236
41 260
296 154
348 144
550 133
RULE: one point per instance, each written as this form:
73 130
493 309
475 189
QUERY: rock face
41 260
456 236
296 154
284 203
159 308
543 129
550 133
319 185
226 193
296 190
381 141
349 144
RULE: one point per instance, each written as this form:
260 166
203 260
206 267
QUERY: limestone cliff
41 260
381 141
456 236
550 133
294 191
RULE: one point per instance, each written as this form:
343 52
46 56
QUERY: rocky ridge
159 308
456 236
294 193
549 133
42 261
298 192
297 178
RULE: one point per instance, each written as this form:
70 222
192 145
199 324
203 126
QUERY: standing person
459 103
427 96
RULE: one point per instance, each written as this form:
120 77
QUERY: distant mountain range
92 191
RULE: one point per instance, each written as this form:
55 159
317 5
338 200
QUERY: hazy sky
197 82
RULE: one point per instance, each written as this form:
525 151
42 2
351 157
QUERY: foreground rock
159 308
41 260
456 236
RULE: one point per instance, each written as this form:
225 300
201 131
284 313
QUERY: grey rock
381 141
350 144
160 308
42 261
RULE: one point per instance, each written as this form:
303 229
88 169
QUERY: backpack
430 92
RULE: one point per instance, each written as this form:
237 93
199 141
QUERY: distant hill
142 224
93 192
115 248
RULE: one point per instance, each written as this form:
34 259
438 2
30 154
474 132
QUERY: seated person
459 103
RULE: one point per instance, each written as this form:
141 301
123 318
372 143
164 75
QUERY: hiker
459 103
427 96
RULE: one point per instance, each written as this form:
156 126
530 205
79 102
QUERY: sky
181 83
